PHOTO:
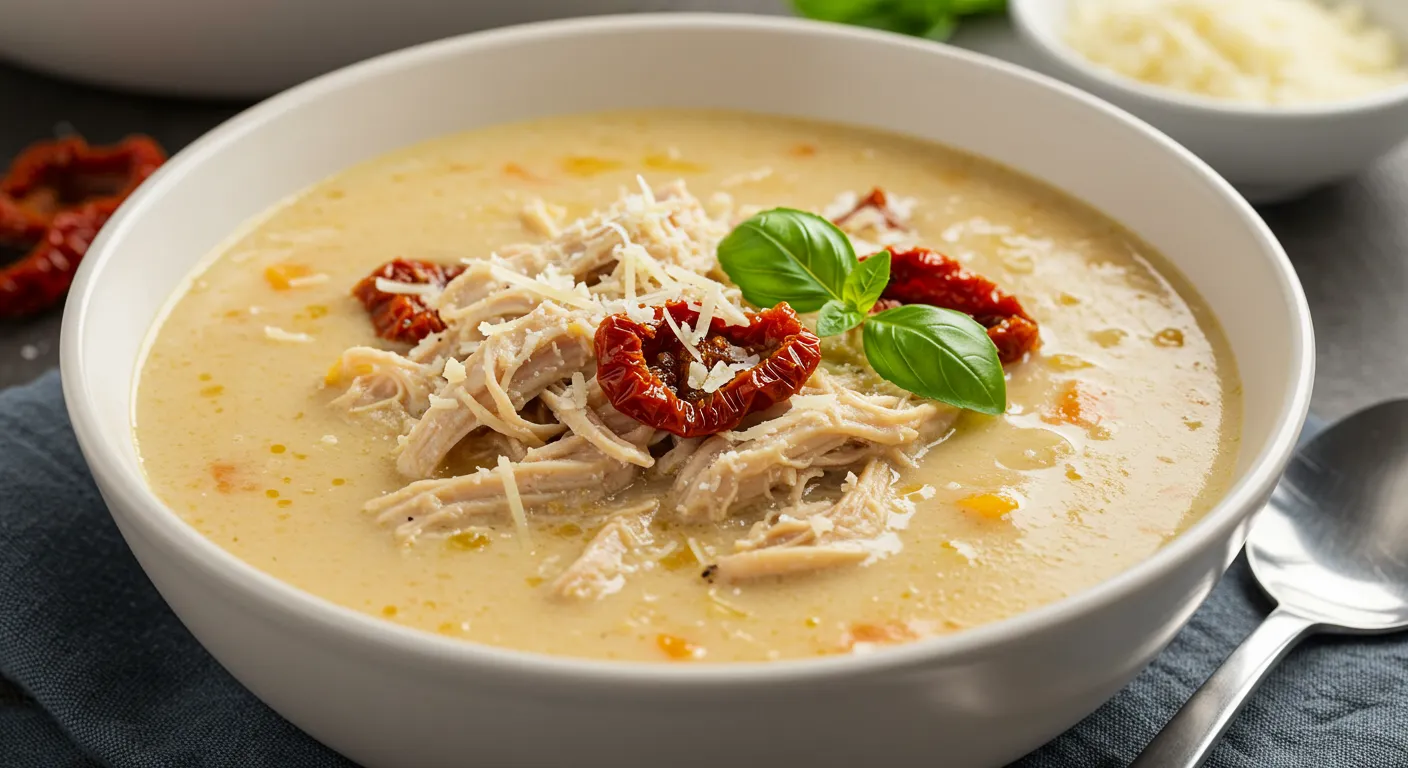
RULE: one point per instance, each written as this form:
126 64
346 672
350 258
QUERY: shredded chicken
674 458
585 421
509 368
762 563
473 300
562 475
683 235
815 535
828 426
383 380
602 567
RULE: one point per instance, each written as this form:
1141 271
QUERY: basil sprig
934 19
803 259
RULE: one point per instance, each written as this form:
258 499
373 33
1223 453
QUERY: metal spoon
1332 549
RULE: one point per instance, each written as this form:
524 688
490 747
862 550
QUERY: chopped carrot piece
518 172
884 633
993 506
678 648
227 476
1078 405
281 276
224 475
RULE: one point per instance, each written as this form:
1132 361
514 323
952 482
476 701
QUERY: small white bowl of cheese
1279 96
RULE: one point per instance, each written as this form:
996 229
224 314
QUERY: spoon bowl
1333 543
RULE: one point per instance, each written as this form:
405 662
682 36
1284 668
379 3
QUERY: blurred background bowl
253 48
1268 153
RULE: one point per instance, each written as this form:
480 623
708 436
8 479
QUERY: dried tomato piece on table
41 278
404 316
62 174
643 367
922 276
53 200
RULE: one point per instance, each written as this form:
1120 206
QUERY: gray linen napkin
95 670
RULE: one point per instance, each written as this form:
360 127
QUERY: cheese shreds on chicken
515 502
407 289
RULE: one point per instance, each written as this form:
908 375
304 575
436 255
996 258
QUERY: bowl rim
133 502
1050 44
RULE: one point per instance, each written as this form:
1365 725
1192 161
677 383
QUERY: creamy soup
272 417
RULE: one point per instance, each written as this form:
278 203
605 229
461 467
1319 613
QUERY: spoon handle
1189 737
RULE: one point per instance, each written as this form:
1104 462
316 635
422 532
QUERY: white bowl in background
390 697
252 48
1268 153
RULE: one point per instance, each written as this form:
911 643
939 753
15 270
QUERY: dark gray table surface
1349 242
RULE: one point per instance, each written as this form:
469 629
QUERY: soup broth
1120 431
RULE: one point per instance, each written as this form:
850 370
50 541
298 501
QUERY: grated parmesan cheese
813 401
1272 52
697 374
454 371
409 289
438 403
683 335
579 390
645 191
515 502
543 285
307 280
279 334
725 309
721 374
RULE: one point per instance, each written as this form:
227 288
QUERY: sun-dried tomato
42 276
62 174
54 199
643 367
921 276
404 316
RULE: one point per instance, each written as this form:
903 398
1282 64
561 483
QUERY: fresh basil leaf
837 317
786 255
867 281
837 10
933 19
941 28
939 354
976 7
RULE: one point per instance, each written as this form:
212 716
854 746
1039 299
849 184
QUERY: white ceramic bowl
1268 153
249 48
392 697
